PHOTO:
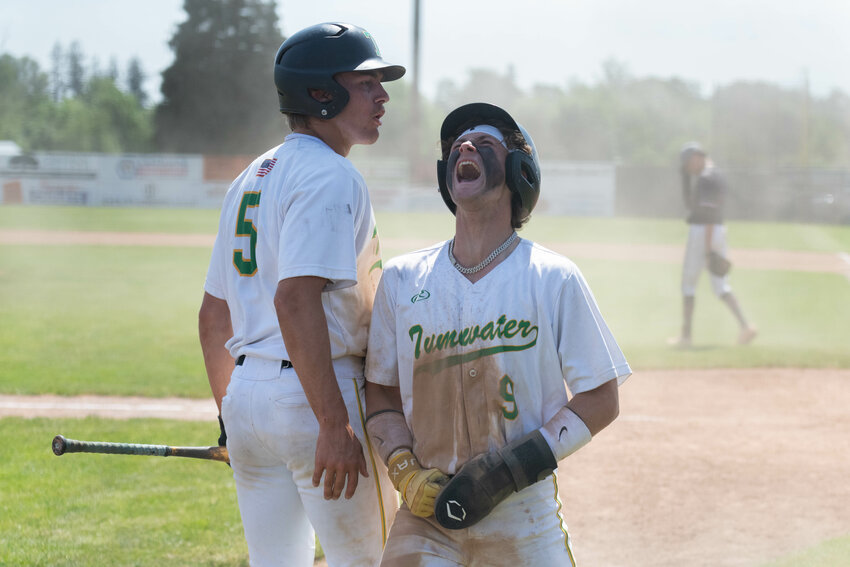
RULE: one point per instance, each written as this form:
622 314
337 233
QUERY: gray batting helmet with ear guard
522 171
310 58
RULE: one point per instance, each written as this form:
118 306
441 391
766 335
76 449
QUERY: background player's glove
488 479
418 486
717 264
222 438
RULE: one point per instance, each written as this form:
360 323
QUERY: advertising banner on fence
148 180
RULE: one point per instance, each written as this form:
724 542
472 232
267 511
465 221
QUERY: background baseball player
471 345
288 295
704 192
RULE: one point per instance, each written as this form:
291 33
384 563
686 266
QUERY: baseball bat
61 445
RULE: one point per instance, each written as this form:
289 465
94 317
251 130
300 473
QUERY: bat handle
62 445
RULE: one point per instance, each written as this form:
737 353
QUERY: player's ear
320 95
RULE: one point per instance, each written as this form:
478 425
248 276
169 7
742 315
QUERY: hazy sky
544 41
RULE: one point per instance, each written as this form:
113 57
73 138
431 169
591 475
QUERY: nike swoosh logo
563 429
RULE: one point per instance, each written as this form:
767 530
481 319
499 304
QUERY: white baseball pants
695 252
525 529
271 439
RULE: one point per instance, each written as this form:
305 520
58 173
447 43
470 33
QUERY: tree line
218 97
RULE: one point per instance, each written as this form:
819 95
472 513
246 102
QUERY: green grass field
106 510
122 320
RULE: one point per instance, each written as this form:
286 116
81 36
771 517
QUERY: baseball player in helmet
284 318
704 192
488 363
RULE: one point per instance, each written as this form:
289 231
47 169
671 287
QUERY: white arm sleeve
388 431
565 433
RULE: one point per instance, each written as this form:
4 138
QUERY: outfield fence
599 189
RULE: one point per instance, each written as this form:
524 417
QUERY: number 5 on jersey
245 227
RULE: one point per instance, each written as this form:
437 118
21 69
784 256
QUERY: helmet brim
483 111
389 71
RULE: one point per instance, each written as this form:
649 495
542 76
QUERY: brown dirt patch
73 237
703 467
111 407
713 467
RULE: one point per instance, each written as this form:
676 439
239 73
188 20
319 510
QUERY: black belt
283 363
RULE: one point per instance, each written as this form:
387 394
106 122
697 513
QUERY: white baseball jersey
300 209
480 365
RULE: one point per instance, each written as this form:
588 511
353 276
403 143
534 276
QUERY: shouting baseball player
288 297
704 192
473 347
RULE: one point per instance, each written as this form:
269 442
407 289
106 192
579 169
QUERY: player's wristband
565 433
388 431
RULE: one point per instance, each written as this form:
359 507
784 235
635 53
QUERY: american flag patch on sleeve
266 167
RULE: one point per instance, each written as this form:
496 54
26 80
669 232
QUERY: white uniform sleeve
589 354
318 234
381 351
220 260
214 284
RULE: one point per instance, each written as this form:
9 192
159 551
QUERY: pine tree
136 81
218 96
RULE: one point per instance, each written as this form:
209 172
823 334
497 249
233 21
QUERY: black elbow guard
488 479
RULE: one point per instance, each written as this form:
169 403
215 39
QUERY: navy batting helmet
522 171
310 58
690 149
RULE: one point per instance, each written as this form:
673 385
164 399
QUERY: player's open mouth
467 171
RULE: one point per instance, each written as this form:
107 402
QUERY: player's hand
418 487
339 456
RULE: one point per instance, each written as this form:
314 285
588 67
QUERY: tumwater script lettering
500 328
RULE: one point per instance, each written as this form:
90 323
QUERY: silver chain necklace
485 262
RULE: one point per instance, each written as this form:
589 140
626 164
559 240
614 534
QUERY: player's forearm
380 398
304 328
214 330
597 408
385 421
686 191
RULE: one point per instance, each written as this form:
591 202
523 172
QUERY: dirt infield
703 467
111 407
714 467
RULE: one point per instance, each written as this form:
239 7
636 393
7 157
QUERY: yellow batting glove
418 487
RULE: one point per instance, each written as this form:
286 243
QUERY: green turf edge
830 553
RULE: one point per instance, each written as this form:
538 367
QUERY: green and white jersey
480 365
300 209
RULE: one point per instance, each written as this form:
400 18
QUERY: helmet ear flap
339 98
442 168
522 175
